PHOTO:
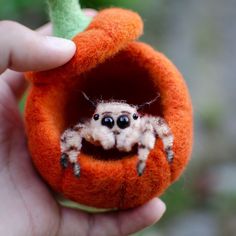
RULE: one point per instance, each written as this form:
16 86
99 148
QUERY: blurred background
200 38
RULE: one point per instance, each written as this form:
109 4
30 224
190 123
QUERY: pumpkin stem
67 18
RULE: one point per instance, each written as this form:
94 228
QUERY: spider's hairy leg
164 132
146 143
71 144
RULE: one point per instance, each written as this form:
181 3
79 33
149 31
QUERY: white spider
116 125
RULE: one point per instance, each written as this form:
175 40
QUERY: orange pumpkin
108 62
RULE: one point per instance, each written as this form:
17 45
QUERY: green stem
67 18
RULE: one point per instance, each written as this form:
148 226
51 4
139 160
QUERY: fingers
47 58
137 219
22 49
15 81
75 222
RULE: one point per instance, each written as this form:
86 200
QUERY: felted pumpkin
108 62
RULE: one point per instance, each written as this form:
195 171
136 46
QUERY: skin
28 207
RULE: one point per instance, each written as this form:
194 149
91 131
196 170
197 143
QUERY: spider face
116 116
117 125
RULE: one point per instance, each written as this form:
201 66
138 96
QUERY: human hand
27 205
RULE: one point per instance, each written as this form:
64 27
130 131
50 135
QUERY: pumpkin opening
119 78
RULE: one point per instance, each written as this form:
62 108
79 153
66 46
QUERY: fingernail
162 206
60 44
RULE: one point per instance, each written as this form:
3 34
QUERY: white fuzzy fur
142 132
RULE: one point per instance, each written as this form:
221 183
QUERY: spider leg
163 131
64 160
142 156
76 169
146 143
71 144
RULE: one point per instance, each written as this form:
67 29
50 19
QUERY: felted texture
108 63
67 18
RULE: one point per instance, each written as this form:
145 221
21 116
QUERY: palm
22 190
27 203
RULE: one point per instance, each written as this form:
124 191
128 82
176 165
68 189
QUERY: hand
27 205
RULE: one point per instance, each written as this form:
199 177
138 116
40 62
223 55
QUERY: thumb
22 49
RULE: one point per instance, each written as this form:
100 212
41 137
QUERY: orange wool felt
108 63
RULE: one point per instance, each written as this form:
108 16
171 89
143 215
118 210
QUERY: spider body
117 125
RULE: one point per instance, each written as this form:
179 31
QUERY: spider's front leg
164 132
152 127
71 144
146 143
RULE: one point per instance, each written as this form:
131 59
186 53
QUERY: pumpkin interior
119 78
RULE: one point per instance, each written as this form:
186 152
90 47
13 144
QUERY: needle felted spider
118 125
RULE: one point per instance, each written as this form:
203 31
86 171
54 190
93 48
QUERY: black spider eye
96 117
108 121
123 121
135 116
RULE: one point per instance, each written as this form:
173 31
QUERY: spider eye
135 116
96 117
108 121
123 121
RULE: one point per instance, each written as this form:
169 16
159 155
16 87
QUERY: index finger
15 79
